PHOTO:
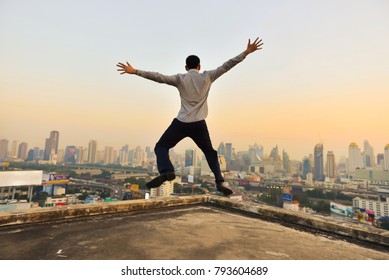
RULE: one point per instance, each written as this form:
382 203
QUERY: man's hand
126 69
252 47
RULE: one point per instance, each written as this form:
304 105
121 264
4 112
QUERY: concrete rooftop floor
191 232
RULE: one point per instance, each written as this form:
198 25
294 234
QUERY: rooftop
204 227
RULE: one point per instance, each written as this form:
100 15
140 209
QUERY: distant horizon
189 144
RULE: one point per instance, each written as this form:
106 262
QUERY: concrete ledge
358 232
38 215
307 222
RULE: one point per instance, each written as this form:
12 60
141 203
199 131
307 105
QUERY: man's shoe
159 180
224 188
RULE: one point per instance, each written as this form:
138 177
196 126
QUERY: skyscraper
368 155
23 151
221 151
3 149
51 145
70 154
92 151
386 157
190 157
330 168
228 152
307 168
355 158
274 153
15 149
109 155
318 174
286 161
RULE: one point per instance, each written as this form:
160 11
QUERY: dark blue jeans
198 132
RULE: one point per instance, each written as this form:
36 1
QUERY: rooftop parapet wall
358 232
305 221
38 215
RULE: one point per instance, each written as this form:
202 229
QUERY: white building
380 208
355 158
166 189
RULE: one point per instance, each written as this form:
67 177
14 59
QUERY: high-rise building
355 158
190 157
221 151
274 153
123 155
70 154
286 161
23 151
109 155
386 158
138 158
228 152
92 151
3 149
15 149
318 165
368 155
307 167
330 168
51 145
81 155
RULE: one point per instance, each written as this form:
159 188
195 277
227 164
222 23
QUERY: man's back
193 87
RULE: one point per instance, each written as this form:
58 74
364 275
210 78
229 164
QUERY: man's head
192 62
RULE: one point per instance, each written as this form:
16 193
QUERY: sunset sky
322 76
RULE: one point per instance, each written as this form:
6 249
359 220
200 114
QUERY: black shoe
159 180
224 188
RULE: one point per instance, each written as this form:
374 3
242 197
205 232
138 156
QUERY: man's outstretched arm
251 47
126 68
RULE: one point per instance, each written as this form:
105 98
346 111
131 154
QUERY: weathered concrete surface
302 221
35 215
187 233
310 222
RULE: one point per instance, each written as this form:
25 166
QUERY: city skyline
321 77
360 151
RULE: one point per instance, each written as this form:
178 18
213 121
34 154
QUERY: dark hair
192 62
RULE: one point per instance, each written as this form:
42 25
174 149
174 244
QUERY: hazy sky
322 76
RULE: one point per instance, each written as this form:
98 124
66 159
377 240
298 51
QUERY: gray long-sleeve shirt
193 87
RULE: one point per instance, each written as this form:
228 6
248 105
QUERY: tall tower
318 174
222 149
109 155
307 168
386 157
286 161
190 157
92 151
355 158
330 168
368 155
15 149
228 152
3 148
51 145
23 151
70 154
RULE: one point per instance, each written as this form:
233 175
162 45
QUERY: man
193 87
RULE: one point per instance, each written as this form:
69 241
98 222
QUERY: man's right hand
252 47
